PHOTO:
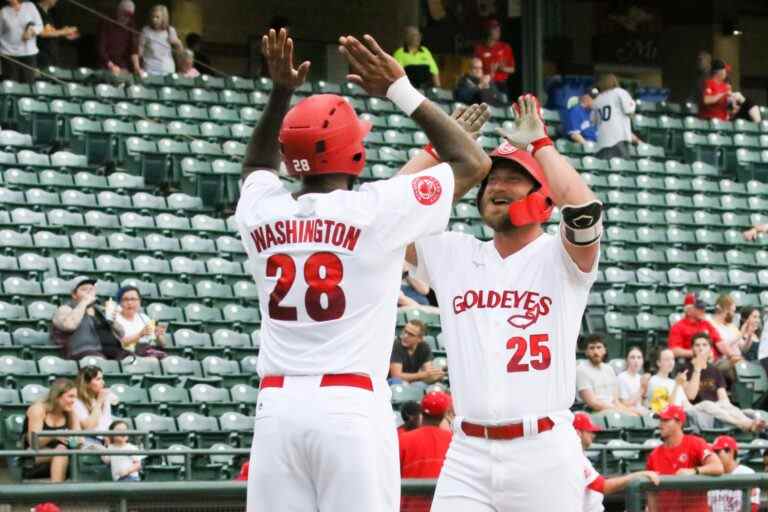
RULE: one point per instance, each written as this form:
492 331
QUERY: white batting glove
529 126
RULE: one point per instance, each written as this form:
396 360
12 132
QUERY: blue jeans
133 477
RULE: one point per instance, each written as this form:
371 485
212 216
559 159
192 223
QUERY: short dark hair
125 289
699 335
116 423
418 323
594 339
745 313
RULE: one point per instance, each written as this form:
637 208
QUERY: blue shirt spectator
577 121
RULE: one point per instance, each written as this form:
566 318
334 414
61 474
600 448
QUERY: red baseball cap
46 507
723 442
436 403
583 421
673 412
691 299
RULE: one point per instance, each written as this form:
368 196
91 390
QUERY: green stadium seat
234 149
20 178
648 255
177 290
71 264
172 95
241 131
161 112
139 366
33 392
171 400
182 129
141 93
162 429
706 218
114 201
249 364
713 277
222 267
53 367
110 266
197 245
229 245
679 218
75 198
751 384
246 395
405 393
675 200
18 287
163 313
169 222
204 429
250 115
245 290
239 426
222 114
211 400
194 113
130 111
133 400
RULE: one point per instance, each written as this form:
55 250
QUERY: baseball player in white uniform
510 311
596 485
327 261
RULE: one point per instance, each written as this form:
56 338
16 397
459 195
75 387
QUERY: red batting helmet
534 208
323 135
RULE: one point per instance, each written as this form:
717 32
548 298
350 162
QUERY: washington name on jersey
303 231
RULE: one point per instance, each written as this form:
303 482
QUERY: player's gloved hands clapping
277 49
373 69
529 126
472 118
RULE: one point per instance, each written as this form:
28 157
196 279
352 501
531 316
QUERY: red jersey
690 453
682 332
499 53
422 452
717 110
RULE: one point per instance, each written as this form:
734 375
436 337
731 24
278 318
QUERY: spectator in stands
476 87
157 42
715 94
612 110
76 324
186 64
117 43
497 56
741 107
138 333
633 382
54 412
752 233
680 454
417 60
48 40
410 411
597 486
422 450
596 382
411 359
680 338
706 389
750 330
20 24
732 343
663 390
93 407
125 468
729 500
413 291
577 120
202 60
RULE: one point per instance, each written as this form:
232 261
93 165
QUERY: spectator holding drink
139 333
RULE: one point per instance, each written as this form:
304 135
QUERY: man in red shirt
680 339
680 454
498 59
422 450
713 103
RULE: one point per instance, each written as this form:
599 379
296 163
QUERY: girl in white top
125 468
662 390
157 43
633 382
93 407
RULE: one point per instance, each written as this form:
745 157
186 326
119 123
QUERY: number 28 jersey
328 267
510 325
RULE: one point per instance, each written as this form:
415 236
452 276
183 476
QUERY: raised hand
529 126
373 69
751 234
472 118
277 49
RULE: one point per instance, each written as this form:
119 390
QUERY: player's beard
500 224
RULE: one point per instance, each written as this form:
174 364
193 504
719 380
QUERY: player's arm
381 75
263 150
620 483
712 466
581 226
471 119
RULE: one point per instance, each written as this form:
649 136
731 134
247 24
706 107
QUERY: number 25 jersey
328 267
510 325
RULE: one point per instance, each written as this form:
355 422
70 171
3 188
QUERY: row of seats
77 198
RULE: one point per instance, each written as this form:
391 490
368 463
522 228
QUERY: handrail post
123 505
746 497
188 466
634 500
75 467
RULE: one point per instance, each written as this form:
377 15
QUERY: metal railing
638 490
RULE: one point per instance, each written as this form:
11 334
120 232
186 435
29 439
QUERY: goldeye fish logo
533 304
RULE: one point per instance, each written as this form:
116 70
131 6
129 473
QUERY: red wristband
541 143
431 151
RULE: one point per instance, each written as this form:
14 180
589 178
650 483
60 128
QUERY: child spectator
663 390
125 468
186 65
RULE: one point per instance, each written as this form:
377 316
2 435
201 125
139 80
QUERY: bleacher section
675 213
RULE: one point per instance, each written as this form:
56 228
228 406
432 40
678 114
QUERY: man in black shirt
411 359
48 40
